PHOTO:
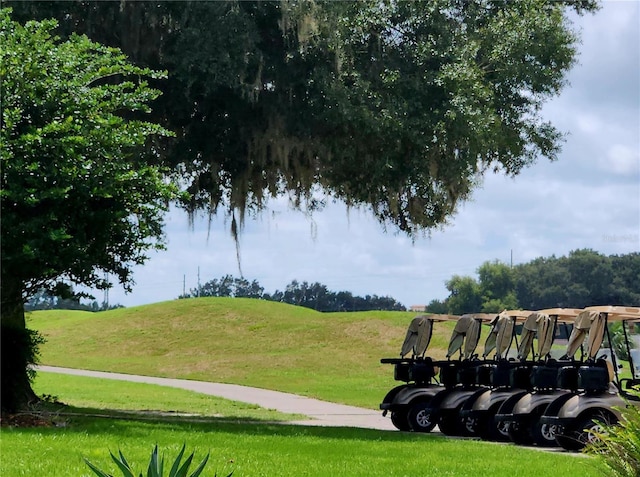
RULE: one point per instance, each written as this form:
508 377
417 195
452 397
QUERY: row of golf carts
516 389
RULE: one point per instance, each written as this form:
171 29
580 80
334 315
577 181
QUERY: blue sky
589 198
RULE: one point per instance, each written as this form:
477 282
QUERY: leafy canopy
396 106
80 196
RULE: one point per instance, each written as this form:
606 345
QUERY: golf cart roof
484 317
519 315
439 318
562 314
617 313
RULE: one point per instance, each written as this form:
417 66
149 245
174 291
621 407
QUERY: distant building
418 308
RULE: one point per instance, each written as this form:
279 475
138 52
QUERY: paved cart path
320 413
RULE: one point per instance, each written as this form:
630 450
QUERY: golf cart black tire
400 421
591 422
538 434
489 429
418 417
576 437
450 425
520 433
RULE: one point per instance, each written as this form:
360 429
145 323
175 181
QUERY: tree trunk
18 349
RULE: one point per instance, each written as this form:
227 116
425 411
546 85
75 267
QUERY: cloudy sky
589 198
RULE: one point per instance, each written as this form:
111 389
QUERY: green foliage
228 286
274 98
156 466
44 299
80 197
618 447
618 341
464 295
437 306
582 278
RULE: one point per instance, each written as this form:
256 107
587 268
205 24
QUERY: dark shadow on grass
123 424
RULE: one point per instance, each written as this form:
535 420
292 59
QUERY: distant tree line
47 300
310 295
583 278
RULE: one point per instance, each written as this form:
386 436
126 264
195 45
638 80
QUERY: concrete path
320 413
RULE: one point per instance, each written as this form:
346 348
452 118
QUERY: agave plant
156 466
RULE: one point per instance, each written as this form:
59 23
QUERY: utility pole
105 299
198 282
184 284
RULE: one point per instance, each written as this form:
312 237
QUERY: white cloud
623 159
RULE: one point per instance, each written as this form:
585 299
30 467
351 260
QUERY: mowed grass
270 450
104 396
248 448
330 356
245 446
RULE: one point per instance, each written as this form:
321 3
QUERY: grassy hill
332 356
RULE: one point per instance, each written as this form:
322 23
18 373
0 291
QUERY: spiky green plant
618 446
156 466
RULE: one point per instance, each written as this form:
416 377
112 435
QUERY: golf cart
600 390
475 376
407 402
519 414
417 371
480 409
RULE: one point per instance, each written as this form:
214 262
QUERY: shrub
618 447
156 466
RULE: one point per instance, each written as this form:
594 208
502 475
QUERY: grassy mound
332 356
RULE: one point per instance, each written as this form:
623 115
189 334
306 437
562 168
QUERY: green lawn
96 396
334 356
253 450
241 438
330 356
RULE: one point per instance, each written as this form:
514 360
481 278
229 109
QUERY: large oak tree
397 106
80 196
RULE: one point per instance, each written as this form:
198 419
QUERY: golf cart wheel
450 424
588 428
400 421
519 433
584 431
494 430
471 426
498 430
420 418
544 435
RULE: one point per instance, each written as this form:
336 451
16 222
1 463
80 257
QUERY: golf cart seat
544 376
520 376
449 373
568 377
483 374
422 371
595 376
